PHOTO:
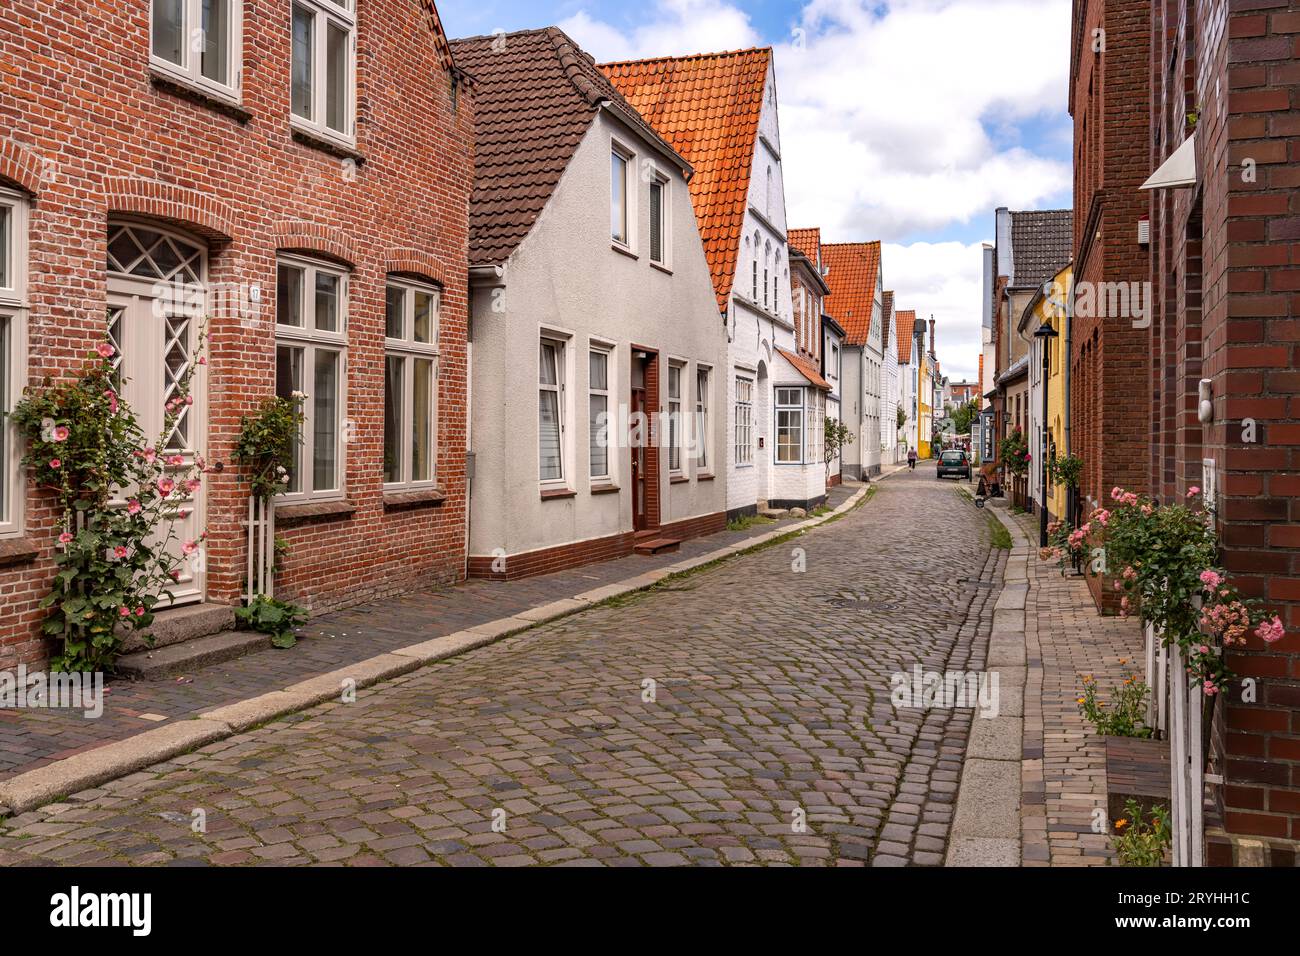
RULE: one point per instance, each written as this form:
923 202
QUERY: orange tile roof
707 106
806 368
981 381
807 241
906 321
852 271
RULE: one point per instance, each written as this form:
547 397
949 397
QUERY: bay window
13 354
310 359
323 68
199 42
790 420
410 383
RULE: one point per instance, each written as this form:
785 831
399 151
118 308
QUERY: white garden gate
1175 711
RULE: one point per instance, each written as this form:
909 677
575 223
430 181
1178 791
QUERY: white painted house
856 303
598 354
891 450
720 111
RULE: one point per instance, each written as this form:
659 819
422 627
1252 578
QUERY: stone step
657 545
179 624
190 655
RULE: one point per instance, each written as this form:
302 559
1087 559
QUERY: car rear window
953 456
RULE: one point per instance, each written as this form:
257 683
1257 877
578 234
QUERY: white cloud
681 26
943 279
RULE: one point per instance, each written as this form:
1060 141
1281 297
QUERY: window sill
315 510
661 267
624 250
604 489
550 494
678 479
327 145
408 500
185 89
705 476
15 551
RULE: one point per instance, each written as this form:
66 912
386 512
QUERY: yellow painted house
925 417
1054 308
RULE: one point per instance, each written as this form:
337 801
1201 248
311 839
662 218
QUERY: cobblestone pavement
770 738
1064 767
30 738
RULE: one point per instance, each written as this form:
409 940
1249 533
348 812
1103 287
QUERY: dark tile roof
536 94
1042 241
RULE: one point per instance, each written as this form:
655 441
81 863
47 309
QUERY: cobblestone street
767 712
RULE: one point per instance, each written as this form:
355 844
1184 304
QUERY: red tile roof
536 94
805 368
806 241
906 321
852 272
707 106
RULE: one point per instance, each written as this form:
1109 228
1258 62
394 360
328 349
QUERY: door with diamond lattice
155 309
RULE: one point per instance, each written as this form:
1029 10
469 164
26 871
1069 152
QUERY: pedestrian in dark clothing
911 459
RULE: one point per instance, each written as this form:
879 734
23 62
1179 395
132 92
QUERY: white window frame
787 407
411 352
606 349
340 13
703 403
311 340
676 442
190 72
628 242
665 221
743 438
13 356
561 342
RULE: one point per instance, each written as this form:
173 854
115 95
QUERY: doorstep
176 625
182 658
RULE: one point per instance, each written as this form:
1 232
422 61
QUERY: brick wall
79 105
1110 360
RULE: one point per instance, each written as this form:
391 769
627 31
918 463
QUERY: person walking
911 459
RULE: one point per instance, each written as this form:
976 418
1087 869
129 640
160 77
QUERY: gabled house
856 302
302 219
597 351
719 110
819 338
891 450
909 360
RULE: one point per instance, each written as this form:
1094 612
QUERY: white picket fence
261 548
1175 711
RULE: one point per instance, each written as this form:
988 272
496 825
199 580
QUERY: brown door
637 440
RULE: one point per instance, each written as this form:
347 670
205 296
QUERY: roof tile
852 273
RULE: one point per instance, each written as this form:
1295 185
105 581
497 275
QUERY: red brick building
1110 362
307 168
1225 263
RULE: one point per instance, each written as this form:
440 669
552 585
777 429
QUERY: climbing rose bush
1167 559
118 494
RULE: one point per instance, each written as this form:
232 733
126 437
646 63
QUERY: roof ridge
689 56
571 56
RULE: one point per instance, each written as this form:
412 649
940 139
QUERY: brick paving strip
120 748
1031 788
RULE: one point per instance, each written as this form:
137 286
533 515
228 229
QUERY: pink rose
1193 491
1116 493
65 538
189 547
56 463
105 350
123 612
119 552
139 612
1210 689
174 574
1271 631
1211 579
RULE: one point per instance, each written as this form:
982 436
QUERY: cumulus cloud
678 27
943 279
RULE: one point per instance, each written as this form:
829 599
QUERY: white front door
153 322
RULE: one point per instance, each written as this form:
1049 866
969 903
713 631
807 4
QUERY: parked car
954 462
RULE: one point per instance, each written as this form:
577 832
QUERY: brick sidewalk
32 738
1063 767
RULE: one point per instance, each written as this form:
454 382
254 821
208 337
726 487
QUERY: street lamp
1044 333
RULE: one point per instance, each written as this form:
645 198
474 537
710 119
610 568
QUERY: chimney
932 335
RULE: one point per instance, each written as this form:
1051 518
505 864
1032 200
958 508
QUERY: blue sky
908 121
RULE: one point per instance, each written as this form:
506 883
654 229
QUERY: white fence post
261 548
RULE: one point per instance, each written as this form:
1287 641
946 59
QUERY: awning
1178 170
